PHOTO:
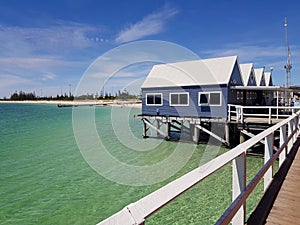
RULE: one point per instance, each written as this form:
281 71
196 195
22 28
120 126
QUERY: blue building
201 88
194 97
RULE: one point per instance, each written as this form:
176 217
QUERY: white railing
238 113
138 212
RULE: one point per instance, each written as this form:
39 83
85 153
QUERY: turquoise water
45 180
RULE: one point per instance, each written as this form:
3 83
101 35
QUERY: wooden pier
242 123
289 130
286 206
281 200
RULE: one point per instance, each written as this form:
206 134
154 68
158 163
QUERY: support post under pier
196 134
227 134
145 129
168 129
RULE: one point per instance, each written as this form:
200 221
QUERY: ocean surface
44 179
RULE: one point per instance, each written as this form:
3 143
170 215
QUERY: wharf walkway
280 204
286 206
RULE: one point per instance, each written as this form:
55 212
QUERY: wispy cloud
10 80
151 24
59 37
48 76
38 68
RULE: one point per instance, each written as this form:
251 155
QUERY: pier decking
285 209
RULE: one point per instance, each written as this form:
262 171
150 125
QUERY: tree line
23 96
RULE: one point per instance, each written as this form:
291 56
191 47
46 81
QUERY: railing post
290 131
270 115
229 112
298 125
283 138
294 128
238 186
237 110
269 140
242 114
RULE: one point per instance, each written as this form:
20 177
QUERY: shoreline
125 104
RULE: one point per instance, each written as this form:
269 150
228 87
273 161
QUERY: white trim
161 95
178 93
208 100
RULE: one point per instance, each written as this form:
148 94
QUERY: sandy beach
125 104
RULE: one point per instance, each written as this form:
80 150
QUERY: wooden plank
286 206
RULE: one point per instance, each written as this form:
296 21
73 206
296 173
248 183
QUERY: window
203 99
179 99
210 98
215 98
154 99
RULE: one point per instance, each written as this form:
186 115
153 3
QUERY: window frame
208 100
179 93
161 97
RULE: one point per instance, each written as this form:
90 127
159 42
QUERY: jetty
237 105
289 130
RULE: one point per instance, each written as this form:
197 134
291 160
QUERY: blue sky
46 46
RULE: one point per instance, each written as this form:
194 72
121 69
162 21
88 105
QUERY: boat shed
268 77
200 88
248 75
260 76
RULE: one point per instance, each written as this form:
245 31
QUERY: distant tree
21 96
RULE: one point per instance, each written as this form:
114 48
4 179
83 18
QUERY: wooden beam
249 134
155 128
212 134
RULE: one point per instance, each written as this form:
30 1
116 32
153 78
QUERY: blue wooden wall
193 110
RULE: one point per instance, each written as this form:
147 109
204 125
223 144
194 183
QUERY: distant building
260 77
268 77
248 75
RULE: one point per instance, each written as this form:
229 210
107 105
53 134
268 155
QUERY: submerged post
227 135
168 129
158 127
144 129
196 134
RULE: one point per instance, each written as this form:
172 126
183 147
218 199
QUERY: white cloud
60 37
48 76
149 25
9 80
33 67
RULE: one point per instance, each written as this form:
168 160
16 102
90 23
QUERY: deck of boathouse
241 123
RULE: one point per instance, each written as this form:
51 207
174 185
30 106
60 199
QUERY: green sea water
45 180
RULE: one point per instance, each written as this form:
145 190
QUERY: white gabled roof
268 78
259 73
246 70
190 73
